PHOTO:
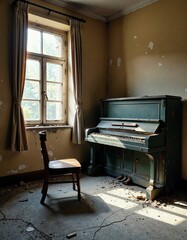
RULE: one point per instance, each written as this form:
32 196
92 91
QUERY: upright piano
139 137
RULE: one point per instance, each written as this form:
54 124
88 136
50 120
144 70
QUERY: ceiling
105 10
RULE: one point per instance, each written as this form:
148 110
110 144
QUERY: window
45 91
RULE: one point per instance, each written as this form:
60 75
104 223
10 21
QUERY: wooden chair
58 168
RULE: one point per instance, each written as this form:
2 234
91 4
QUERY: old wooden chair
58 168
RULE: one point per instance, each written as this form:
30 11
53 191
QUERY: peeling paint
12 172
1 103
111 62
21 167
50 153
160 64
150 45
118 62
146 53
1 158
135 39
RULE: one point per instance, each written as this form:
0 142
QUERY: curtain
18 132
76 53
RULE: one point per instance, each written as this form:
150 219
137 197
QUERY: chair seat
64 163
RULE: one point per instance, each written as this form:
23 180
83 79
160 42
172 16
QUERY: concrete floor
108 210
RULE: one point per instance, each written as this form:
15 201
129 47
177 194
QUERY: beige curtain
18 133
76 52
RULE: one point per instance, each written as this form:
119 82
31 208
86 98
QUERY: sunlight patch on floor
162 215
119 198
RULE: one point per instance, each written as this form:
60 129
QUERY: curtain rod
51 10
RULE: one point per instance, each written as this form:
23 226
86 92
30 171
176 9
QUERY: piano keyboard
107 137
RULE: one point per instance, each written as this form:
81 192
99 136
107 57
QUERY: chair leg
73 180
78 187
44 192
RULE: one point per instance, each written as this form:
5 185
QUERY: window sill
37 127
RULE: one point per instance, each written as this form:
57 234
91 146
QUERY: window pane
34 41
31 110
52 44
54 111
31 90
32 69
54 72
54 91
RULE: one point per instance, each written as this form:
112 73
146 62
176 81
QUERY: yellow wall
147 55
94 88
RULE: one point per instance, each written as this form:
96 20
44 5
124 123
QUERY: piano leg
155 188
96 153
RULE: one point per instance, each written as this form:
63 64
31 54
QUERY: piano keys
136 136
140 138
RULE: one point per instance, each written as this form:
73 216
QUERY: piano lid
142 127
146 97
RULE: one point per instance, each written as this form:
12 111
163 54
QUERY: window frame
43 59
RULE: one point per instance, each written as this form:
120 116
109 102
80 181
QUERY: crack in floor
99 225
106 225
27 229
109 224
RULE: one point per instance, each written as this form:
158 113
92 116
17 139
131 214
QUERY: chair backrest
43 139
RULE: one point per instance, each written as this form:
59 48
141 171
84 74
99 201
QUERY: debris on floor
71 235
108 209
140 197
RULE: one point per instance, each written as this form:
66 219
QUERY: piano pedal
127 181
120 177
124 179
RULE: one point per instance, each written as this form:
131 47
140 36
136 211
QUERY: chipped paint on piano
139 137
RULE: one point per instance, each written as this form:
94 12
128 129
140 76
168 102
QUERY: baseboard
25 177
17 178
38 175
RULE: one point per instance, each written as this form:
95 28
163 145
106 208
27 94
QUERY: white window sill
38 127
